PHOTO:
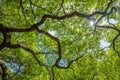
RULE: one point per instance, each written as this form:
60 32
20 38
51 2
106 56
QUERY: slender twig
113 43
61 6
22 8
27 49
58 42
4 70
40 7
19 68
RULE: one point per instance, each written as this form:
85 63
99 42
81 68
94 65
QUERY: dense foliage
60 39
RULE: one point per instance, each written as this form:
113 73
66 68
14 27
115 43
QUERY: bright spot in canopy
104 43
113 21
52 32
62 63
92 22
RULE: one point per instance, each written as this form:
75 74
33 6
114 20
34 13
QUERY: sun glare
91 22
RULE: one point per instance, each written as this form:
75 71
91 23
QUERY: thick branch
45 16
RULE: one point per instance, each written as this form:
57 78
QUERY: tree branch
26 49
4 70
55 39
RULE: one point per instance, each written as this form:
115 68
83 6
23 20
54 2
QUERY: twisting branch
59 50
64 67
69 64
45 16
7 36
113 8
55 39
108 6
105 14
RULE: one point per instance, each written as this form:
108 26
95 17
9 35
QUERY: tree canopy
60 39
